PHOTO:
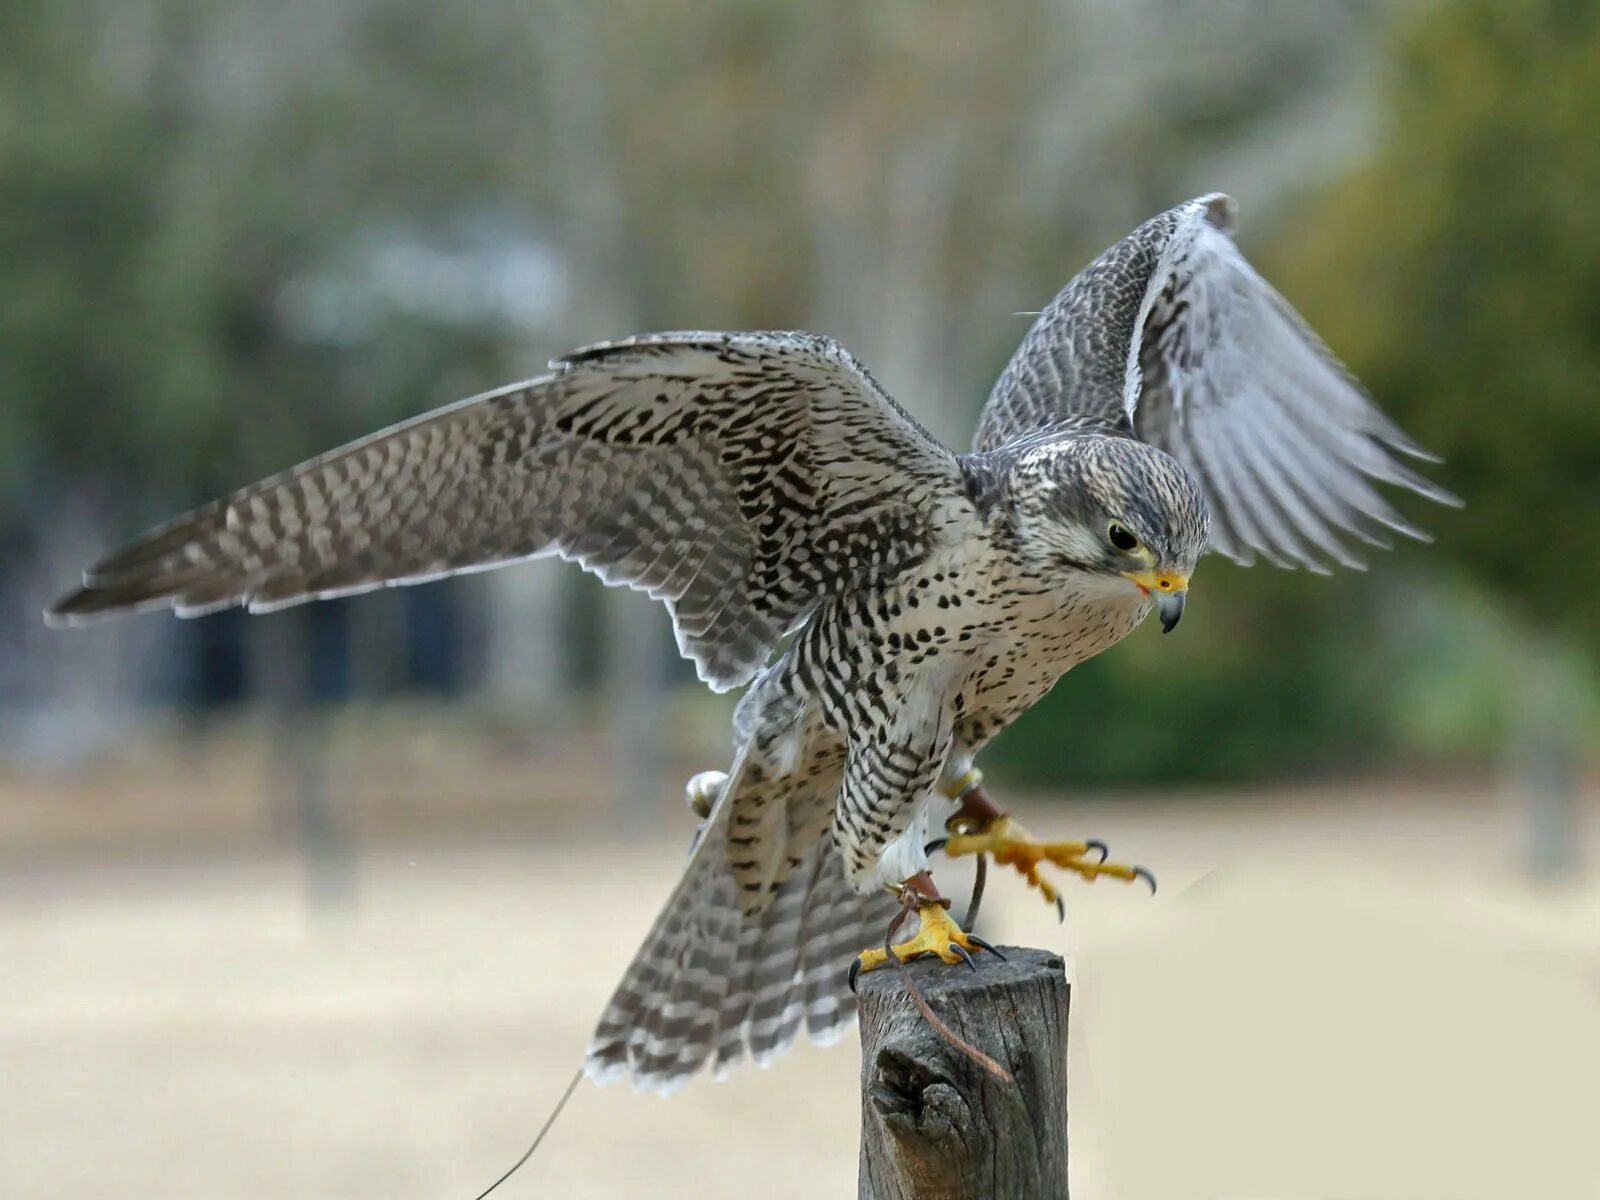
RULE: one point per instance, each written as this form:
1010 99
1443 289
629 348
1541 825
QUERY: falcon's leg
978 827
936 933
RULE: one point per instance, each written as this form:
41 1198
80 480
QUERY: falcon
918 600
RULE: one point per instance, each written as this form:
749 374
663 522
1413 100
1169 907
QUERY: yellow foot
936 934
1013 846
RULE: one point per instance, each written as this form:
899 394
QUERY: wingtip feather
1444 496
89 603
71 610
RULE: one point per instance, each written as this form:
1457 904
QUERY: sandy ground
1331 996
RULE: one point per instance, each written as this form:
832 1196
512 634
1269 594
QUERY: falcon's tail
710 985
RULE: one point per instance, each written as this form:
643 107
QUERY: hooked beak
1167 591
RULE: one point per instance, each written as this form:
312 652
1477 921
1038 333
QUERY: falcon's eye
1121 538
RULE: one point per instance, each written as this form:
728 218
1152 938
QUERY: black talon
983 945
965 957
935 845
1141 873
1097 844
1061 912
855 969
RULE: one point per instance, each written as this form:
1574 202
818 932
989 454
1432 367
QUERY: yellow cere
1159 581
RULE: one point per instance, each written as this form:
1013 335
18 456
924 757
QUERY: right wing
739 478
1172 337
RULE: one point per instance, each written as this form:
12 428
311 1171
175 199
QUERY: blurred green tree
1459 274
170 173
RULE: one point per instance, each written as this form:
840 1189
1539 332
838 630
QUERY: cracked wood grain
937 1126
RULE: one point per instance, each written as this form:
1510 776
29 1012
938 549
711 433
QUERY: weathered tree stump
935 1125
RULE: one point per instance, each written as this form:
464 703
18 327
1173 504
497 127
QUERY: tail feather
817 926
709 984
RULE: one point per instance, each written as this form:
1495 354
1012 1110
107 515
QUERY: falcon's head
1121 512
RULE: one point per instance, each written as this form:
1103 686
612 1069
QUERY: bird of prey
774 498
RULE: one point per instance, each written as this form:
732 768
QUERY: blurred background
324 903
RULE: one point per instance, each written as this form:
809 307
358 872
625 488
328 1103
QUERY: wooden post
937 1126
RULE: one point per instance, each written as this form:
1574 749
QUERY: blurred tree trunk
906 333
594 232
298 794
67 695
377 644
1545 748
525 670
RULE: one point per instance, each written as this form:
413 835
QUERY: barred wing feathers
739 478
710 985
1172 336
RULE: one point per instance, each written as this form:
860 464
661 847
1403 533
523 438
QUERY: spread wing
739 478
1172 337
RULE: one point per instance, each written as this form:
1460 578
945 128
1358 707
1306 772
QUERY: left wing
1172 337
739 478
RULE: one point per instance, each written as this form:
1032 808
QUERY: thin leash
539 1137
958 1042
